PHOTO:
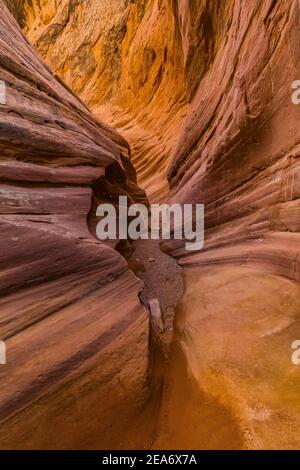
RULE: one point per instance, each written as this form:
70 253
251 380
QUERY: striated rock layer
238 153
74 328
122 58
202 91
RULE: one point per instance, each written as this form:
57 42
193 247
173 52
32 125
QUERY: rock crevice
201 91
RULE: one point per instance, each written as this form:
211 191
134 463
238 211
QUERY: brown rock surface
235 326
238 153
202 91
123 60
74 328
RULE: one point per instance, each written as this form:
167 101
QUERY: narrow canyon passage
179 413
178 102
151 125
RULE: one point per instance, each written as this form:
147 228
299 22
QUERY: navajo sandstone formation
202 92
74 328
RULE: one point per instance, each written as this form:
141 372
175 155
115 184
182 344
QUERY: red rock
74 328
202 91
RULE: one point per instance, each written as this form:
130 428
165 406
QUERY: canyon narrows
196 97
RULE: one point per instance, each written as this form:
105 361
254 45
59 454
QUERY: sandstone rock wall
125 60
74 328
202 90
239 145
238 153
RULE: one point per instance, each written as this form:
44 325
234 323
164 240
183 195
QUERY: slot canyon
164 101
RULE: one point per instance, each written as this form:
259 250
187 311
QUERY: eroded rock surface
202 91
123 60
238 153
74 328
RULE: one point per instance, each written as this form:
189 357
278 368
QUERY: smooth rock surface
74 328
202 91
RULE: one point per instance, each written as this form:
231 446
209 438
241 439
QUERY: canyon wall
74 328
122 58
239 144
238 153
202 92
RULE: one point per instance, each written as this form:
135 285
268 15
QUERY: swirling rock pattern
123 60
202 91
74 328
238 153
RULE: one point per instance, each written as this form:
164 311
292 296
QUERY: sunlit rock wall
125 60
202 90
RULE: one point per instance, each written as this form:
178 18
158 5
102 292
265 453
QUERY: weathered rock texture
123 59
74 328
239 154
202 91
